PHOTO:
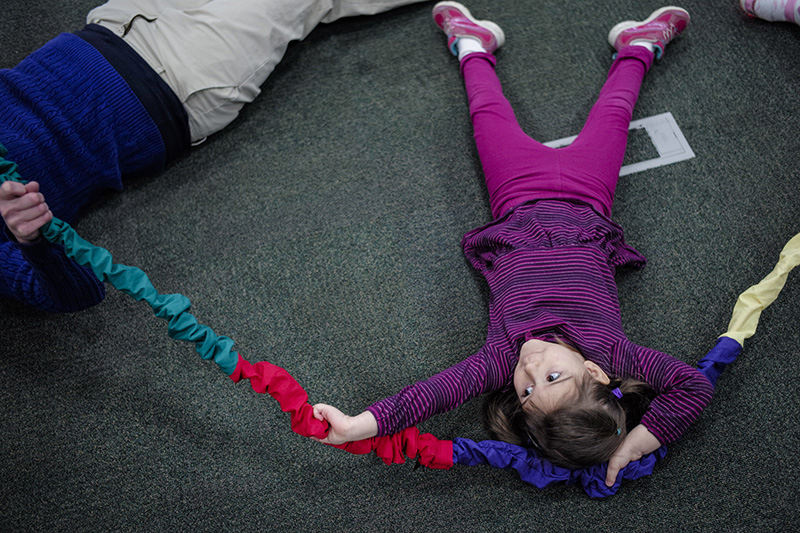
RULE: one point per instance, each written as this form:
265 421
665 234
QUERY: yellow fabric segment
755 299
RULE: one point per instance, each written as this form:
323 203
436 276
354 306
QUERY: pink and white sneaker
457 22
658 29
773 10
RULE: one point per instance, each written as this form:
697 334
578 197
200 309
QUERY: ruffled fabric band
265 377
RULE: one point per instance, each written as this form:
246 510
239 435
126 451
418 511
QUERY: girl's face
548 374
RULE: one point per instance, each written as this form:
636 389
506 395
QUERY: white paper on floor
667 138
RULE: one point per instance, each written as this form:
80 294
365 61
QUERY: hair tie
616 392
619 431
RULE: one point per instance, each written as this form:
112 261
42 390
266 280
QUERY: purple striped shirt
550 268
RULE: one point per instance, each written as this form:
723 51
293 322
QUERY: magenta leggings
519 169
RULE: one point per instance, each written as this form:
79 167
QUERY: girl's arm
682 391
682 394
486 370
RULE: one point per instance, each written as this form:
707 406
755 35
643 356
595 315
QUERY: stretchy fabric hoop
268 378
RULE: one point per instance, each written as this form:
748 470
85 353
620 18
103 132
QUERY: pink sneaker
456 22
773 10
658 29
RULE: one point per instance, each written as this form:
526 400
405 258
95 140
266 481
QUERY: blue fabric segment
540 472
721 355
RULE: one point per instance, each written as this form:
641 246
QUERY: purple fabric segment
519 169
541 473
720 356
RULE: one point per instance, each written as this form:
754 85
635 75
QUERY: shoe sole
493 28
626 24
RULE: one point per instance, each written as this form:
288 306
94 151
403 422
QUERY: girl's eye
528 391
552 376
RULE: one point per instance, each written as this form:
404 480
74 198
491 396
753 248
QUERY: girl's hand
23 209
344 428
637 443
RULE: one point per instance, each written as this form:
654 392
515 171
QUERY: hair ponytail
634 400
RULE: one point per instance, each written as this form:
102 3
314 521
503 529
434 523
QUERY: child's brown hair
583 433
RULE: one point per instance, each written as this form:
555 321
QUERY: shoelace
668 33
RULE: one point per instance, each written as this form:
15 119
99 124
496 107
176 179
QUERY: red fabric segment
433 453
293 399
268 378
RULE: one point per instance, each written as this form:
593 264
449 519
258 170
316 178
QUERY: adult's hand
23 209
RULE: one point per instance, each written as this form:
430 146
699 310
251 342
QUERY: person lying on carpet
566 379
124 97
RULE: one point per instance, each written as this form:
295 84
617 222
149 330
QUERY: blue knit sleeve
40 275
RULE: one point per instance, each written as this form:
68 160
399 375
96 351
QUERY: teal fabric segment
174 308
8 169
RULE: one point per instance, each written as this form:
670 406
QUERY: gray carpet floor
321 231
